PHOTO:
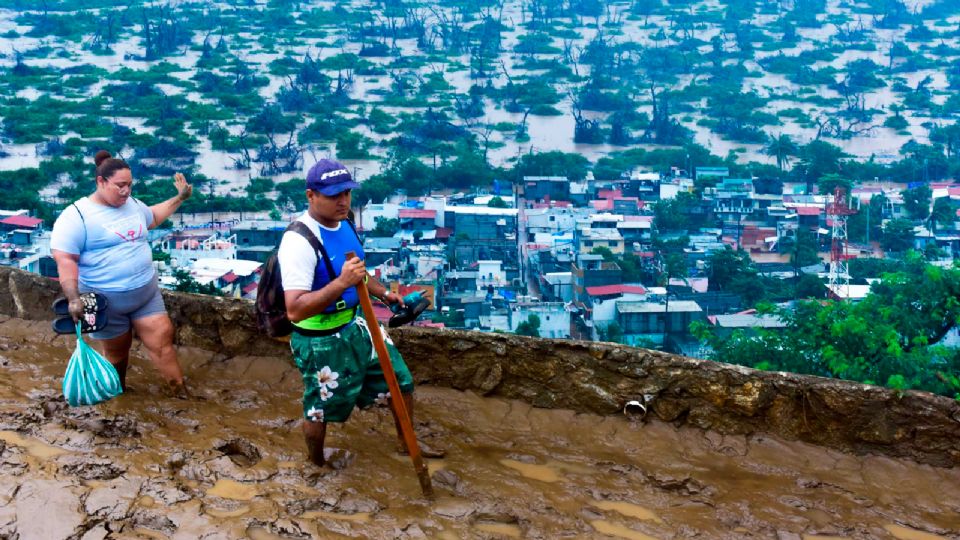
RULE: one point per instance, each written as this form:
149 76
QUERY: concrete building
255 239
590 270
538 188
588 239
554 318
651 320
415 219
185 249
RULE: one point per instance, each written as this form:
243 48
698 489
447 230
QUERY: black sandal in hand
93 319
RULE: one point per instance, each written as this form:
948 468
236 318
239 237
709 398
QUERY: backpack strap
301 228
84 222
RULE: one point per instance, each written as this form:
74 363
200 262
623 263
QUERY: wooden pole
399 406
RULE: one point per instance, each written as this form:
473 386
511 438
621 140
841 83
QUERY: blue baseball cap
330 178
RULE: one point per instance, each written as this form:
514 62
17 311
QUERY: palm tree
781 147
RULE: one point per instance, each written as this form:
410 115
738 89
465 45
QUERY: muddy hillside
595 378
229 463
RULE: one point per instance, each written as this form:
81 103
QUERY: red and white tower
837 213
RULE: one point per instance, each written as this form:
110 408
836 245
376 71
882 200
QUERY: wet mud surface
229 463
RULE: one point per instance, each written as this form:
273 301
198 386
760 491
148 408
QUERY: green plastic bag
90 378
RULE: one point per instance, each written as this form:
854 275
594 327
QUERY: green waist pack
90 378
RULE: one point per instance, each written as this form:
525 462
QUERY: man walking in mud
331 345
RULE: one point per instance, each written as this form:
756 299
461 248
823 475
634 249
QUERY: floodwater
230 464
546 132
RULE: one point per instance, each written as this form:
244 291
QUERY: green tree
818 159
897 235
497 202
829 182
726 266
891 337
186 283
944 211
917 201
804 250
385 227
555 163
781 147
611 332
675 214
529 327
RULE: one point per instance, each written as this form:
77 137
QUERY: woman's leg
156 332
117 351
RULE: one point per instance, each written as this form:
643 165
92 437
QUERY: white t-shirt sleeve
146 211
68 232
298 262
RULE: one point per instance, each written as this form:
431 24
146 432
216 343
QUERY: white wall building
490 273
554 318
370 213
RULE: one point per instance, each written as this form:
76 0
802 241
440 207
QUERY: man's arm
379 291
161 211
68 268
305 304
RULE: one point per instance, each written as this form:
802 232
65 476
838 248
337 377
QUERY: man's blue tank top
337 243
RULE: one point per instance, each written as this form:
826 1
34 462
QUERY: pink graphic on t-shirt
129 229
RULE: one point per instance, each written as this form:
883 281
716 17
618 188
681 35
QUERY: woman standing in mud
100 245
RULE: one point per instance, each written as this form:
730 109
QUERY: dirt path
230 465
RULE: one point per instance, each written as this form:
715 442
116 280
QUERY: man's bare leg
314 434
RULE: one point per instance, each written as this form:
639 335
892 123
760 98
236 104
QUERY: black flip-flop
62 307
94 316
409 312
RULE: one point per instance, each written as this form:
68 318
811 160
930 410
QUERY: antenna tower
837 213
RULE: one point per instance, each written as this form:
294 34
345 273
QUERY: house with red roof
20 222
417 219
601 301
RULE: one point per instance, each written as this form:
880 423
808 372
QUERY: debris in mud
284 528
154 521
240 451
453 508
113 501
91 468
446 479
164 492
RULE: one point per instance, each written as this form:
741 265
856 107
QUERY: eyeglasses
125 188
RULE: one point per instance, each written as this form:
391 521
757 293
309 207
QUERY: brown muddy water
230 464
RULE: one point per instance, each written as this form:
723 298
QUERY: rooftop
607 290
22 221
415 213
676 306
483 210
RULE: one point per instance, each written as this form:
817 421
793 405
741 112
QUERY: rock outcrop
598 378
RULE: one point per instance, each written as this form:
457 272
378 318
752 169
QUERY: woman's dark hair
108 165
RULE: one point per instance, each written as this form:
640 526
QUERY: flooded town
761 187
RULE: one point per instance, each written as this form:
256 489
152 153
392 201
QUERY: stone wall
597 377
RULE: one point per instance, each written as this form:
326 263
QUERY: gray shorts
124 307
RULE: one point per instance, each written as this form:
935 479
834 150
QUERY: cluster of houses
545 253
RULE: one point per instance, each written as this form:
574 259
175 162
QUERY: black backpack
271 306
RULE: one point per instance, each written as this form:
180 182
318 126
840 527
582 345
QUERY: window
588 243
553 218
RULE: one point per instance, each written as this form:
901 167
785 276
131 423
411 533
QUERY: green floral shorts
342 370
